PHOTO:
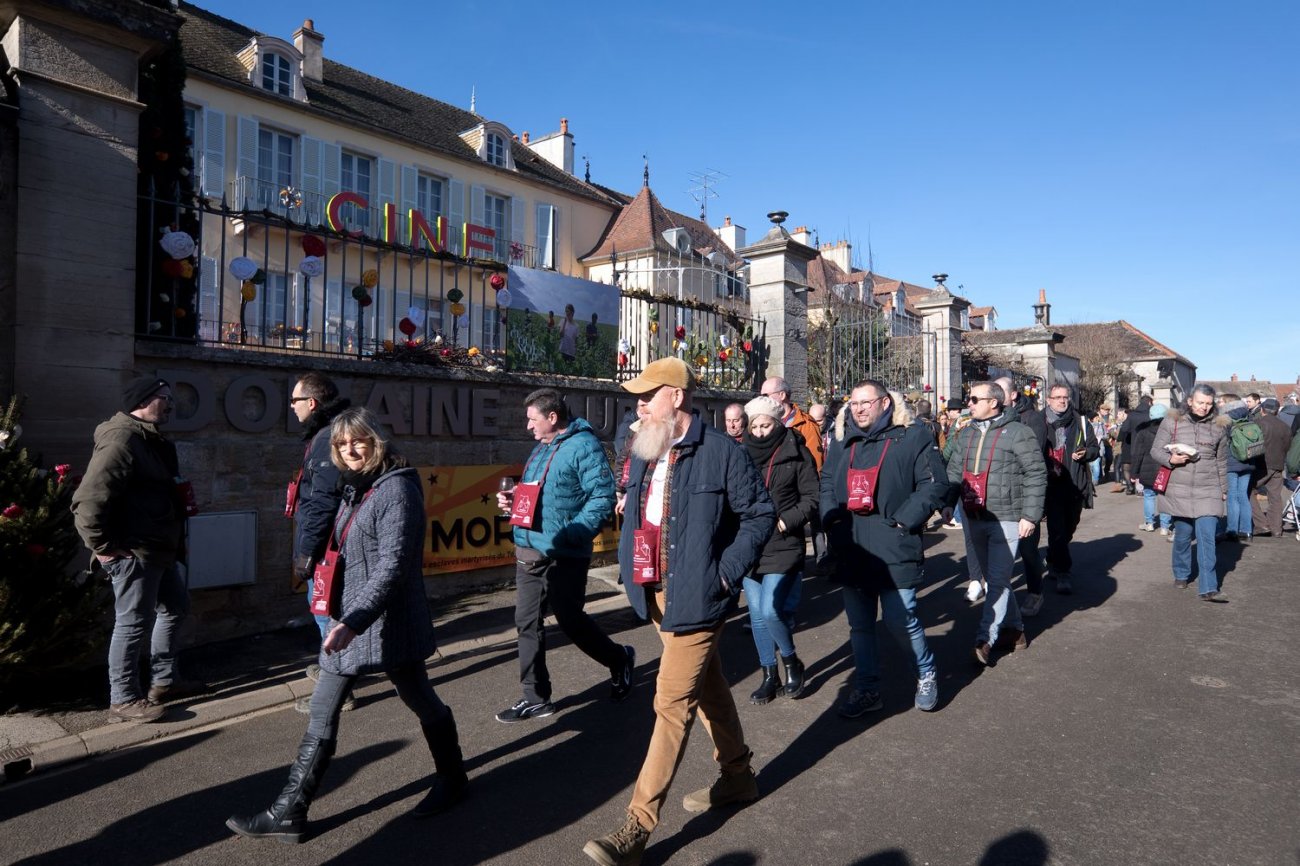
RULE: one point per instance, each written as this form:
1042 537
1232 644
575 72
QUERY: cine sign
437 236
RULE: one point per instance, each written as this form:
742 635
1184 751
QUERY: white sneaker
1147 527
975 591
1164 530
1032 604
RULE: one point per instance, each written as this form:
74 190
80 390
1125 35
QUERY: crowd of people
707 514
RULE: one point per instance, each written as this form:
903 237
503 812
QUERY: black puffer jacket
882 550
1143 467
1076 474
318 490
791 481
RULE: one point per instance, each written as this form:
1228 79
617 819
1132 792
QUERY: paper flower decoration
680 332
388 345
724 341
748 346
462 321
654 327
13 512
455 296
406 326
722 354
259 277
654 312
242 268
415 314
624 347
313 245
359 292
365 301
446 353
187 269
497 281
437 339
622 359
370 278
473 352
178 245
179 312
248 291
412 344
171 268
292 199
458 309
504 298
311 266
677 344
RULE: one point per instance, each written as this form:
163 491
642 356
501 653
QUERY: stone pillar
67 317
778 294
1038 353
1162 391
942 317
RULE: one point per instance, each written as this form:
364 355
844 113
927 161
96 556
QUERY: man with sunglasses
1002 477
130 510
1070 447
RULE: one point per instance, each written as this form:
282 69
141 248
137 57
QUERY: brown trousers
1270 518
690 678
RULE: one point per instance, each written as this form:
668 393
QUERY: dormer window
277 74
496 149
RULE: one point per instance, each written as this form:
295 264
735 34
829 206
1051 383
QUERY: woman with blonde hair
379 622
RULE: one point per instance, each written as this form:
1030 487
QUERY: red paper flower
406 326
622 359
412 344
722 354
172 268
13 512
446 353
679 332
62 470
497 282
748 346
312 245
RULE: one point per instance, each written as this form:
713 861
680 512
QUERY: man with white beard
696 516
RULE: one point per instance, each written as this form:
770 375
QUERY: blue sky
1136 160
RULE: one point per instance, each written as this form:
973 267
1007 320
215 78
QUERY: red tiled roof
1133 343
639 226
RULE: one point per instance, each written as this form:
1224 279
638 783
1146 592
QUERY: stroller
1291 511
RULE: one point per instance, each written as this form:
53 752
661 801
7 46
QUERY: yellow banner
466 530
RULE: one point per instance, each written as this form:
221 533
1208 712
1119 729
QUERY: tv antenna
705 188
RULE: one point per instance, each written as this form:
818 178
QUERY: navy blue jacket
882 550
720 516
318 492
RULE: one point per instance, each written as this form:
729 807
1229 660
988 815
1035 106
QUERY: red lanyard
545 469
343 536
879 462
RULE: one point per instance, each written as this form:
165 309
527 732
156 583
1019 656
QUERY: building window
277 76
274 166
428 196
191 115
356 174
496 149
495 217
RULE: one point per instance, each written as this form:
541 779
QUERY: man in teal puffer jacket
573 495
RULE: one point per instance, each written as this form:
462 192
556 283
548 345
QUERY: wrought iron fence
849 341
725 346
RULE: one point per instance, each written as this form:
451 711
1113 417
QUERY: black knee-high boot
286 819
449 781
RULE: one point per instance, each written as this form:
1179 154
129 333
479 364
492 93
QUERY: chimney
1234 377
309 42
840 253
556 148
802 235
1042 310
732 235
525 139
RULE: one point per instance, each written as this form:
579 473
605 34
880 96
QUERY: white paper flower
242 268
504 299
311 266
178 245
625 346
416 315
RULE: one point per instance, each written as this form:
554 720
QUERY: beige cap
672 372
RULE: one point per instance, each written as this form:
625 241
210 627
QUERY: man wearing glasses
796 419
1071 446
130 510
1002 477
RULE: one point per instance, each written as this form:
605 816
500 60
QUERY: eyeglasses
293 400
863 404
973 399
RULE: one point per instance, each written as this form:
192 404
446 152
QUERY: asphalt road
1140 726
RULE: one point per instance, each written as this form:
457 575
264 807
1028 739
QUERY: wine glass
506 488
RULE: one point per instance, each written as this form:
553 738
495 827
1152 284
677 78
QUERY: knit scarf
761 450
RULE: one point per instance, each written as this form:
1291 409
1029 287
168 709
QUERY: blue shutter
213 167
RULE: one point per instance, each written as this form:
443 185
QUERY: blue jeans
1204 527
1149 510
992 545
898 610
1096 472
148 599
322 622
766 598
1239 503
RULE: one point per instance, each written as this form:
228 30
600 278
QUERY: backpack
1247 440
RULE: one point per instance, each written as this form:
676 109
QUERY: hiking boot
523 709
927 692
1032 604
176 690
975 591
983 653
859 702
139 710
623 847
1064 586
620 683
729 788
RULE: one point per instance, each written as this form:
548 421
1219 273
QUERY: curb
22 761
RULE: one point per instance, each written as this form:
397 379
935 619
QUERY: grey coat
383 598
1196 489
1017 482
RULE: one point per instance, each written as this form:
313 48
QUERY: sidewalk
248 675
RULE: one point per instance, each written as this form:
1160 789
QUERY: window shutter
209 326
455 213
247 149
331 169
544 230
477 205
517 218
410 201
214 153
311 181
387 184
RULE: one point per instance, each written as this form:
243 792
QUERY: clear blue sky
1137 160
